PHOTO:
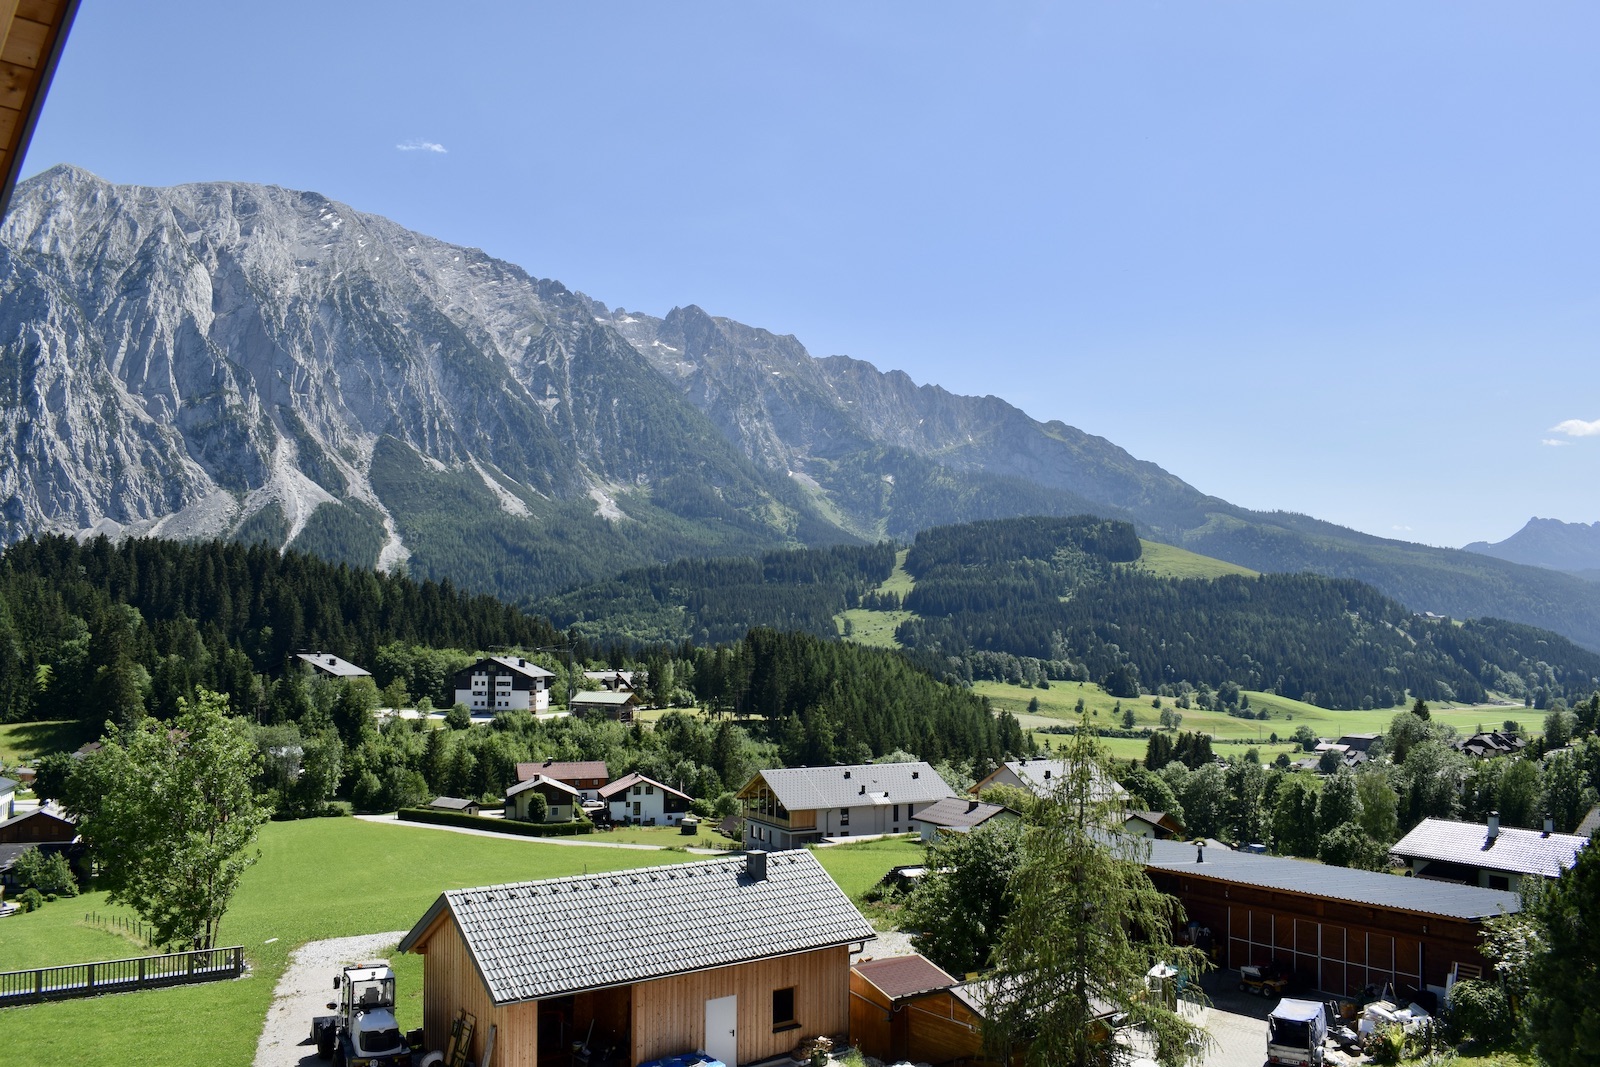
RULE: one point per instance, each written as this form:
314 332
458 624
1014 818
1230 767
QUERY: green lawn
316 879
859 867
27 740
664 836
1169 561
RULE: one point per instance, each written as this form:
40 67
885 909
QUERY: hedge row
497 826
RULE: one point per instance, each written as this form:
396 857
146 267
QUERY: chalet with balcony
793 806
1487 855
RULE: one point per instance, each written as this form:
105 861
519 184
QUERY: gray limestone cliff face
182 360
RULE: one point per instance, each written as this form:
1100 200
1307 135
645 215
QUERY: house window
844 816
1499 881
897 814
783 1010
649 790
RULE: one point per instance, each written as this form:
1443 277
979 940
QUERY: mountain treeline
716 600
97 630
1050 591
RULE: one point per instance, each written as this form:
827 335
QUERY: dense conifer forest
100 632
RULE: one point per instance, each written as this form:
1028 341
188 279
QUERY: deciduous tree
170 814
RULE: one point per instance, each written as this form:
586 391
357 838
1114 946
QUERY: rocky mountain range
234 360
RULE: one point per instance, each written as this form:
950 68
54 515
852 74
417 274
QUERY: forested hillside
712 600
1051 591
100 632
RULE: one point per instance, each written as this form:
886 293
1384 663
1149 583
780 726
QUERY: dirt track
304 990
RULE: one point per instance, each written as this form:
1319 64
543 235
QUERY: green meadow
316 879
1169 561
1057 706
877 628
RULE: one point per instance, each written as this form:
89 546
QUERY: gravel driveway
304 990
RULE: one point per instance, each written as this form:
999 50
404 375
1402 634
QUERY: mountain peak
1549 543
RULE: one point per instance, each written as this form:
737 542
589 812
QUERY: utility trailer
1297 1031
364 1033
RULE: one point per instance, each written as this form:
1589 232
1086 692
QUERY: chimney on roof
1200 851
756 866
1494 825
522 662
847 774
1549 824
972 805
1047 774
862 792
916 774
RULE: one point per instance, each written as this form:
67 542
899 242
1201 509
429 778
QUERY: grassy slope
1169 561
26 740
1056 705
316 879
877 628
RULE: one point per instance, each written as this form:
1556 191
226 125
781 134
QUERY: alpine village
408 661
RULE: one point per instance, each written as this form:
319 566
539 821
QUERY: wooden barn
743 957
1338 929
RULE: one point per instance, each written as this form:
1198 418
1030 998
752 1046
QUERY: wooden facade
646 1020
1334 946
669 1013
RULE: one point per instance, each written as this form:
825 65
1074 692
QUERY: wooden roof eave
29 60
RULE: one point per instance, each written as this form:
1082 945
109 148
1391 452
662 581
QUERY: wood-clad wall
871 1020
1329 937
940 1027
669 1014
450 982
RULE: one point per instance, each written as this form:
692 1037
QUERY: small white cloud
1577 428
1554 443
1399 527
415 145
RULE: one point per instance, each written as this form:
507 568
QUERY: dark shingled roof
904 976
567 772
1418 895
957 814
565 935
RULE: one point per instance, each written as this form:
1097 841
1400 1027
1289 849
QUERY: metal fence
120 976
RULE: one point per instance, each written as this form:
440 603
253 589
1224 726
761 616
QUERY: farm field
316 879
1058 703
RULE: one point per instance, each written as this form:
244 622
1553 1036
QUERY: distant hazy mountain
243 361
1561 546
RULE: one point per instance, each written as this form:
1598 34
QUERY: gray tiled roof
1371 888
7 785
1513 849
810 788
603 698
565 935
516 663
957 813
1042 774
328 663
1590 823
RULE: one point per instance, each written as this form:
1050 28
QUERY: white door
722 1029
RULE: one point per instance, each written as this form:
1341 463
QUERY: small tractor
364 1033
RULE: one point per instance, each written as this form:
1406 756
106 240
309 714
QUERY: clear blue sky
1339 258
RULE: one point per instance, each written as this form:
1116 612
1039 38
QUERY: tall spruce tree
1085 928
